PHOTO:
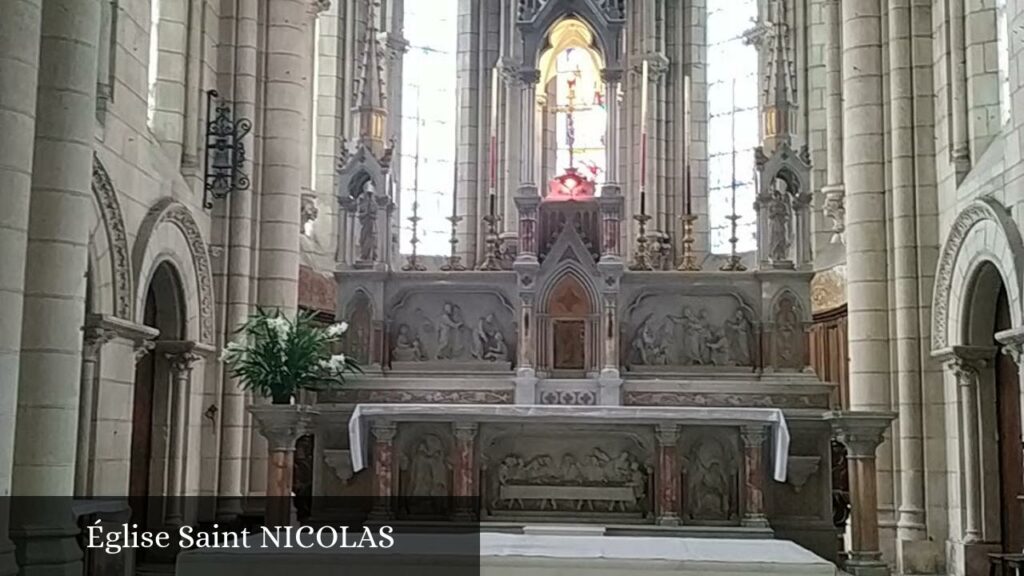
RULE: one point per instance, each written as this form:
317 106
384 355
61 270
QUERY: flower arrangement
276 356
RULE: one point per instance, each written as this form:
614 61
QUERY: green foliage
275 356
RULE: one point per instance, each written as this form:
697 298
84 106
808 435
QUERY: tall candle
494 129
643 124
492 204
643 201
688 191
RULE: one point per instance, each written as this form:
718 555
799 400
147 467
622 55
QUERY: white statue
449 333
739 331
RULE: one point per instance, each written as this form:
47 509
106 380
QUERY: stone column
861 433
180 359
383 467
239 269
965 364
54 302
92 343
528 119
667 483
19 64
281 425
513 145
754 476
527 204
833 190
612 78
959 147
911 514
465 491
286 149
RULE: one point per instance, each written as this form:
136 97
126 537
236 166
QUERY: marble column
281 425
383 467
965 363
54 300
92 343
834 190
180 359
465 491
667 483
239 269
19 64
754 476
861 432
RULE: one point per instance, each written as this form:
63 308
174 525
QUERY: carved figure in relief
739 331
367 214
708 484
718 347
788 334
779 217
692 340
449 333
407 347
648 349
489 341
428 470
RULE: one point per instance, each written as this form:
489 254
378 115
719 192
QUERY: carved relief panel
359 315
425 468
669 330
444 328
582 473
789 339
711 465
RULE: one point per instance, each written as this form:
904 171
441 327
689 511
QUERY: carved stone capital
529 77
142 348
317 7
464 431
965 363
384 431
657 66
860 431
835 210
182 362
611 75
667 434
283 424
94 337
753 436
1013 343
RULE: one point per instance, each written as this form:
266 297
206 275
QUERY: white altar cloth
547 552
493 413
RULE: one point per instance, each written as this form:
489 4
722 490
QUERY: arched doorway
151 422
988 312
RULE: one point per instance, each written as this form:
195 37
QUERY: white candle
494 128
643 125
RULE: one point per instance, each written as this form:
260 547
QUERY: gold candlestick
642 256
688 263
454 263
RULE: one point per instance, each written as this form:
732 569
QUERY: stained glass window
579 114
732 123
428 124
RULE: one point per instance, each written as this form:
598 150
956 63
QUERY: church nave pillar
54 299
667 482
19 63
754 476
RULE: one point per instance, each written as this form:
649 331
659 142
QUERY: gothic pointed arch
983 232
536 19
169 232
116 252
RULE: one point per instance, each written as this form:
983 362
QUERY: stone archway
977 295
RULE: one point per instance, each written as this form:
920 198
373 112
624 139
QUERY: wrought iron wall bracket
225 150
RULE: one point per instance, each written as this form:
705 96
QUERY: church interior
706 277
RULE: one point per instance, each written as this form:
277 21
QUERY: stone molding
117 327
283 424
1006 236
965 362
117 238
173 212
